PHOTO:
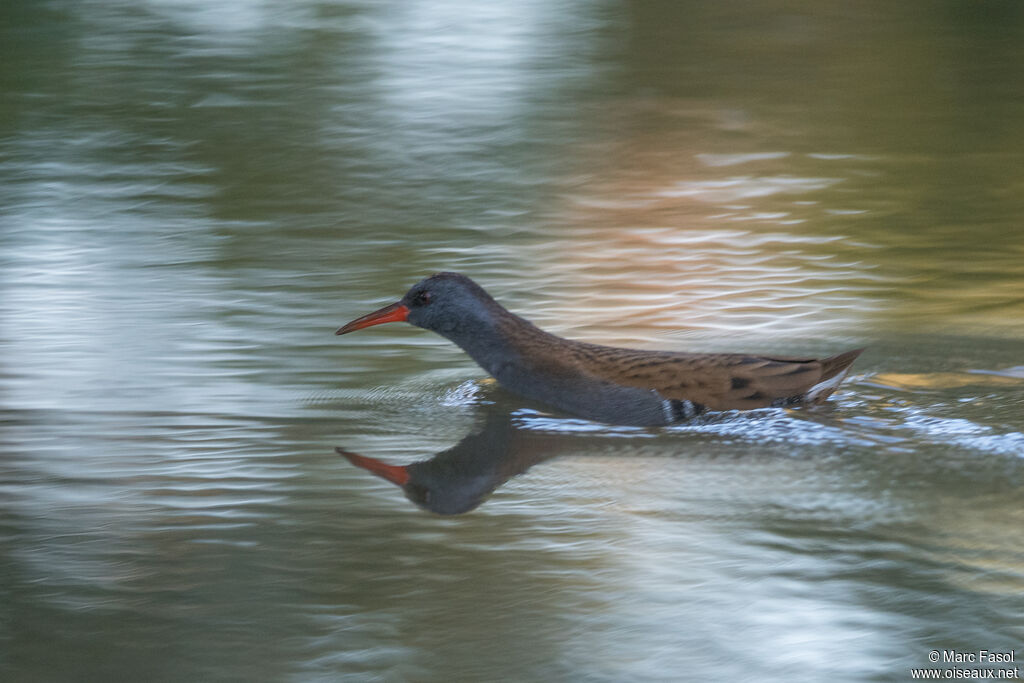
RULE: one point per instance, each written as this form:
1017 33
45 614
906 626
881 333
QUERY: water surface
194 196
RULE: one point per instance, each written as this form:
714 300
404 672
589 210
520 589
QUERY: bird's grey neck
493 340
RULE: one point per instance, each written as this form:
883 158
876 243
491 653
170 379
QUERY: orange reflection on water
667 236
658 265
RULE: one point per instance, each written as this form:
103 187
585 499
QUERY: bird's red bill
396 474
395 313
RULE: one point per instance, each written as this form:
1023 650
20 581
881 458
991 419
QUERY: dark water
194 195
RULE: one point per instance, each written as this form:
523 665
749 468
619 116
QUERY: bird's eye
421 299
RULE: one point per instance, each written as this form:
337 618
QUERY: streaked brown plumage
605 383
718 381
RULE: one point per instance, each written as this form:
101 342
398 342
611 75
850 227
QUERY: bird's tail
833 372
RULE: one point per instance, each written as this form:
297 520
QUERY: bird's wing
719 381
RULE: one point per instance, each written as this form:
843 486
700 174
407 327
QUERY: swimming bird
604 383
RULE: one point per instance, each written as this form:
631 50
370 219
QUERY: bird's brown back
718 381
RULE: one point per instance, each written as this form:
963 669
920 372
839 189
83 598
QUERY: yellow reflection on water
942 380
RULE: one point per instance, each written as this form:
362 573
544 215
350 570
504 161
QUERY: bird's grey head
448 303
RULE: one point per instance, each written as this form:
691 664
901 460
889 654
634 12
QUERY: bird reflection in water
459 479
